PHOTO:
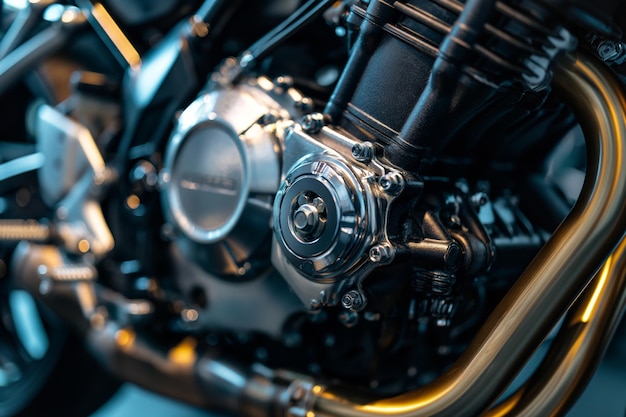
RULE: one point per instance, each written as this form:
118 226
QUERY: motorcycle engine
354 227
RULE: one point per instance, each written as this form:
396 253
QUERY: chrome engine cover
330 216
221 160
221 171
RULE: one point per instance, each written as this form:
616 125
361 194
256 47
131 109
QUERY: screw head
353 301
313 123
381 254
305 105
284 81
306 218
391 183
362 152
479 199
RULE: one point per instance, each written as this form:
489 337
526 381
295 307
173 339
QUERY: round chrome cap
207 180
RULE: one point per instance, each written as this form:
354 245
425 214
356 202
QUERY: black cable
283 25
294 23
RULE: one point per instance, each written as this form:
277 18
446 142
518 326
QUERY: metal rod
577 349
550 283
25 21
31 53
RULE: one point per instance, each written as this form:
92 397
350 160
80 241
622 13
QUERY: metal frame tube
550 283
577 349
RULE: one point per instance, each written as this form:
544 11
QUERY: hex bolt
319 204
306 218
362 152
268 119
313 123
382 253
315 306
353 301
391 183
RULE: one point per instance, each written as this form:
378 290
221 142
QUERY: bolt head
362 152
382 253
306 218
391 183
284 81
313 123
352 300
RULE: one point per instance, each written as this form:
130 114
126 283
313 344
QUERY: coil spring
433 282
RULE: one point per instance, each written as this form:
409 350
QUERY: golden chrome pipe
551 282
577 349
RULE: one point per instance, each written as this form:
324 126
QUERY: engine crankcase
221 171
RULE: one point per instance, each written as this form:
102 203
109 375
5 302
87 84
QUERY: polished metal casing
221 171
351 239
219 160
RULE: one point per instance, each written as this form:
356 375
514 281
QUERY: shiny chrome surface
69 150
222 169
578 348
551 282
72 177
219 162
353 194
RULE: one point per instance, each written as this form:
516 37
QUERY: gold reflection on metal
184 353
116 35
592 305
577 349
551 282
